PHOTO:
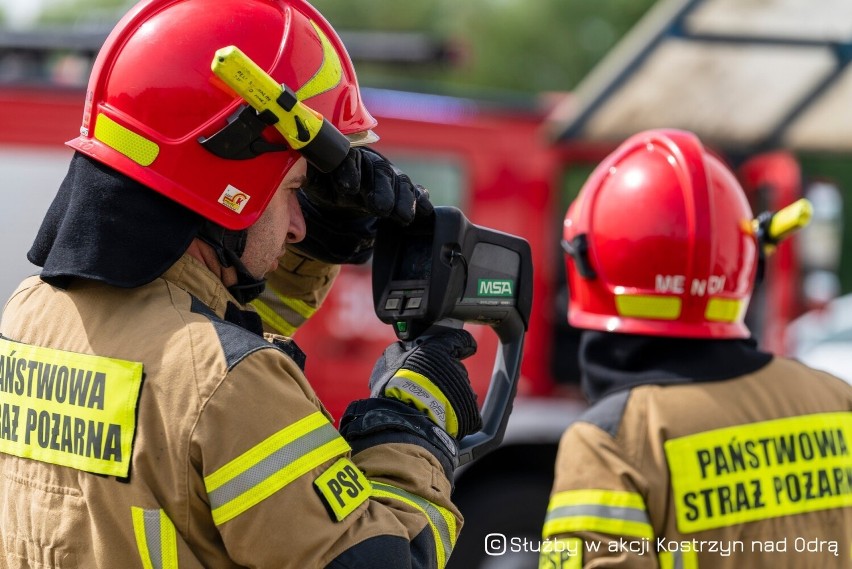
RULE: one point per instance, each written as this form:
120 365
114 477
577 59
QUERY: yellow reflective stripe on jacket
605 511
678 559
271 465
271 319
441 521
155 538
291 314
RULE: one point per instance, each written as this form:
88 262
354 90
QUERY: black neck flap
611 362
107 227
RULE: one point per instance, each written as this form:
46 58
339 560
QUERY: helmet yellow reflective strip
120 138
441 521
612 512
271 465
724 310
648 306
155 538
329 74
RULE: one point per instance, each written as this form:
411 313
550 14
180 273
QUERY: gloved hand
431 378
366 184
342 208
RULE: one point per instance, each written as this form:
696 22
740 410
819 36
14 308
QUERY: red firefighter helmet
660 242
152 98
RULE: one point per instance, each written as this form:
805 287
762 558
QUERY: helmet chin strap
229 246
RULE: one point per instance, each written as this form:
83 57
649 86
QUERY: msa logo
494 287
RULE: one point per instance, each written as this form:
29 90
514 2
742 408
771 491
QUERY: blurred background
503 108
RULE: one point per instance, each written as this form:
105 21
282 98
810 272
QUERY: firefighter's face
281 223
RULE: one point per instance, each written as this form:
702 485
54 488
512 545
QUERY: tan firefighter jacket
140 428
754 472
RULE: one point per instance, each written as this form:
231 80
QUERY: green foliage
385 15
72 11
524 46
543 45
520 45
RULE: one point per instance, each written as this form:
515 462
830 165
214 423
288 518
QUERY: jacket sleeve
285 491
294 292
597 515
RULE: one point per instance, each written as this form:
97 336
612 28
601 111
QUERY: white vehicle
30 177
822 338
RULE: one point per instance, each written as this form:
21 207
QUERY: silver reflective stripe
152 537
272 464
156 539
597 511
289 313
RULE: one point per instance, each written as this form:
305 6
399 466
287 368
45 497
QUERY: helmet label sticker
234 199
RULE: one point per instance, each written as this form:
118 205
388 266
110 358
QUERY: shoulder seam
244 342
607 413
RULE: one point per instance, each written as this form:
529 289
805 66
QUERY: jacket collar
192 276
612 362
198 281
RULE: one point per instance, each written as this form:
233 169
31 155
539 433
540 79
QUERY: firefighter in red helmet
698 449
145 418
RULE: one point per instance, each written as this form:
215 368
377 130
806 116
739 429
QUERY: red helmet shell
668 234
152 97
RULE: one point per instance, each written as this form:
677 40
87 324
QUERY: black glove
431 378
334 236
366 184
342 208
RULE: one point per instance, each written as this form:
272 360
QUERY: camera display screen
414 261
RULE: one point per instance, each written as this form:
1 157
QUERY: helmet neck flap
107 227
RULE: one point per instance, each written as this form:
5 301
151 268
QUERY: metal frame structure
674 20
